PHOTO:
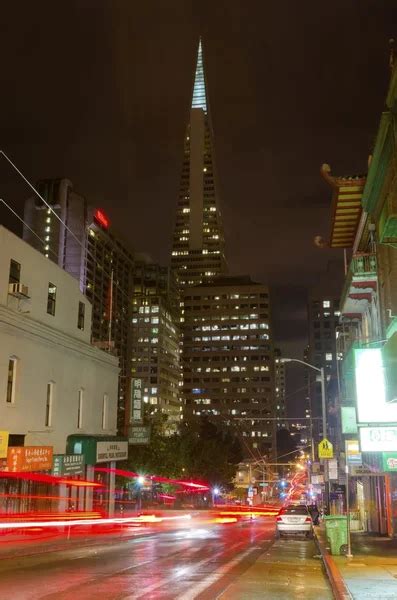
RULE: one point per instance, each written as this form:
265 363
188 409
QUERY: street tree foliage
199 451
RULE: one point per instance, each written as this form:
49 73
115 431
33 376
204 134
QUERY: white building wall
50 349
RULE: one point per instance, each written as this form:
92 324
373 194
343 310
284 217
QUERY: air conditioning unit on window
18 290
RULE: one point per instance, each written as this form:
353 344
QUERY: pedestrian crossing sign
325 449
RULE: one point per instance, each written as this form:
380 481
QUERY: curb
338 585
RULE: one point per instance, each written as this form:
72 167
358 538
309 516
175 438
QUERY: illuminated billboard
371 389
378 439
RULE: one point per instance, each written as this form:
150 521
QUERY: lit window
328 356
326 304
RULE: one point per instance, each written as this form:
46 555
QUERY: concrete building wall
50 349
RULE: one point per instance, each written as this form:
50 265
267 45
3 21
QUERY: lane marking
211 579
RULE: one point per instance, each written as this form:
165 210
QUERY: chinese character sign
136 415
29 458
3 444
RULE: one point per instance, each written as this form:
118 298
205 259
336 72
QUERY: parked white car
294 519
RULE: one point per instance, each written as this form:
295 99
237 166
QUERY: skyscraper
155 356
228 358
62 244
198 252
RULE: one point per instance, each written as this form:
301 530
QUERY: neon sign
101 218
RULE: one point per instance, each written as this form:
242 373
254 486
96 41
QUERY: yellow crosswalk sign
325 449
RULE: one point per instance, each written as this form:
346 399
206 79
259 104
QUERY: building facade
323 320
155 357
45 229
80 240
228 358
280 389
53 382
107 282
198 249
367 343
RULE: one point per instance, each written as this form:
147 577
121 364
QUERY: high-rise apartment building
198 250
82 243
107 276
279 388
60 239
155 356
323 318
228 358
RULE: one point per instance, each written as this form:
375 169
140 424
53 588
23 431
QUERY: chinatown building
367 336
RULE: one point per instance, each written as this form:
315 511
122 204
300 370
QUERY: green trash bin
336 533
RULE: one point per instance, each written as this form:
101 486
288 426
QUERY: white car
294 519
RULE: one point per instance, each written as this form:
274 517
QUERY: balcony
360 284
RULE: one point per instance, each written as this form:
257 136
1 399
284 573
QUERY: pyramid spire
198 249
199 99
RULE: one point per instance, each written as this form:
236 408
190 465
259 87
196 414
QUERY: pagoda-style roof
346 207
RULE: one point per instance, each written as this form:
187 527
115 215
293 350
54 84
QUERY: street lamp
140 481
323 403
215 493
322 380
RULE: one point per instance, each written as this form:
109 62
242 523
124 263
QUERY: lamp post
140 481
323 406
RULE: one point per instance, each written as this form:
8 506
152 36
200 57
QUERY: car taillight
308 520
278 519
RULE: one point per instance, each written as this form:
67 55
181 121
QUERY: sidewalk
371 573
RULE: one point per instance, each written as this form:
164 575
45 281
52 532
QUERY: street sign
361 471
325 449
139 434
333 469
353 454
317 479
68 464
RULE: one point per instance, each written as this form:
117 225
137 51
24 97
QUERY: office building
198 249
279 388
155 356
107 282
228 358
323 319
61 239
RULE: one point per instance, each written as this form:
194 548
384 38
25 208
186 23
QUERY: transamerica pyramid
198 250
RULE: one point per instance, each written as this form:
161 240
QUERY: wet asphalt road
228 561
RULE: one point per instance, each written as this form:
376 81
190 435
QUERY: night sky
99 92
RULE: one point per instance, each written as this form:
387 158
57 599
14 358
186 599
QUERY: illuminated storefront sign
378 439
3 444
68 464
370 387
353 454
139 434
389 461
101 218
349 422
108 451
29 458
136 415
